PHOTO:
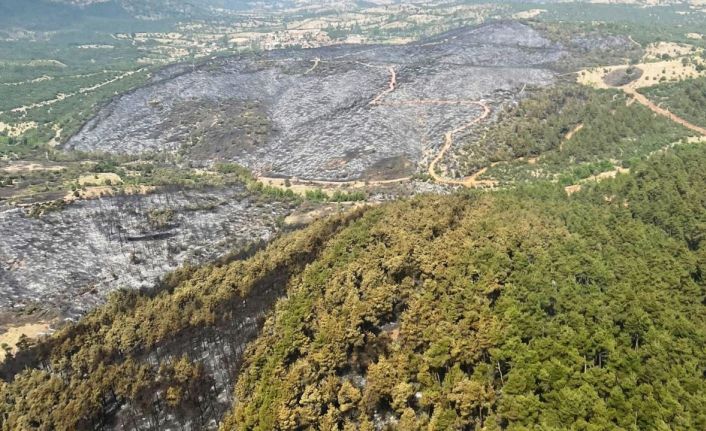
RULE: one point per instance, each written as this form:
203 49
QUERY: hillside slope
509 310
55 14
331 113
498 312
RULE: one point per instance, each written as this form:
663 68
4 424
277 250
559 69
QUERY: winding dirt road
391 87
469 181
643 100
302 186
640 98
472 180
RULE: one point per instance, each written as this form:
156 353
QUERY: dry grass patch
301 187
101 179
527 14
655 51
13 334
21 166
652 73
18 129
105 191
304 217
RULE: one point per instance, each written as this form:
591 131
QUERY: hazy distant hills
52 14
58 13
160 9
72 14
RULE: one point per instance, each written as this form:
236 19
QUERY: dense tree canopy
498 311
509 310
568 127
685 98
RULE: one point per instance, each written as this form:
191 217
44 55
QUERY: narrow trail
52 78
573 131
640 98
317 60
631 91
390 89
634 42
635 96
643 100
621 170
392 83
472 180
110 81
596 178
570 134
301 186
29 81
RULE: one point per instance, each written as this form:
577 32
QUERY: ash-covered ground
69 260
335 113
327 113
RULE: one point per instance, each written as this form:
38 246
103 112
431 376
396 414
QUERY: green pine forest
685 98
517 309
612 131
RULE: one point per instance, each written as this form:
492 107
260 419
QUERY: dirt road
570 135
302 186
661 111
317 60
472 180
62 96
391 87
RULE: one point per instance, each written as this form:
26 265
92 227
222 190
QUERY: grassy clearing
15 336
